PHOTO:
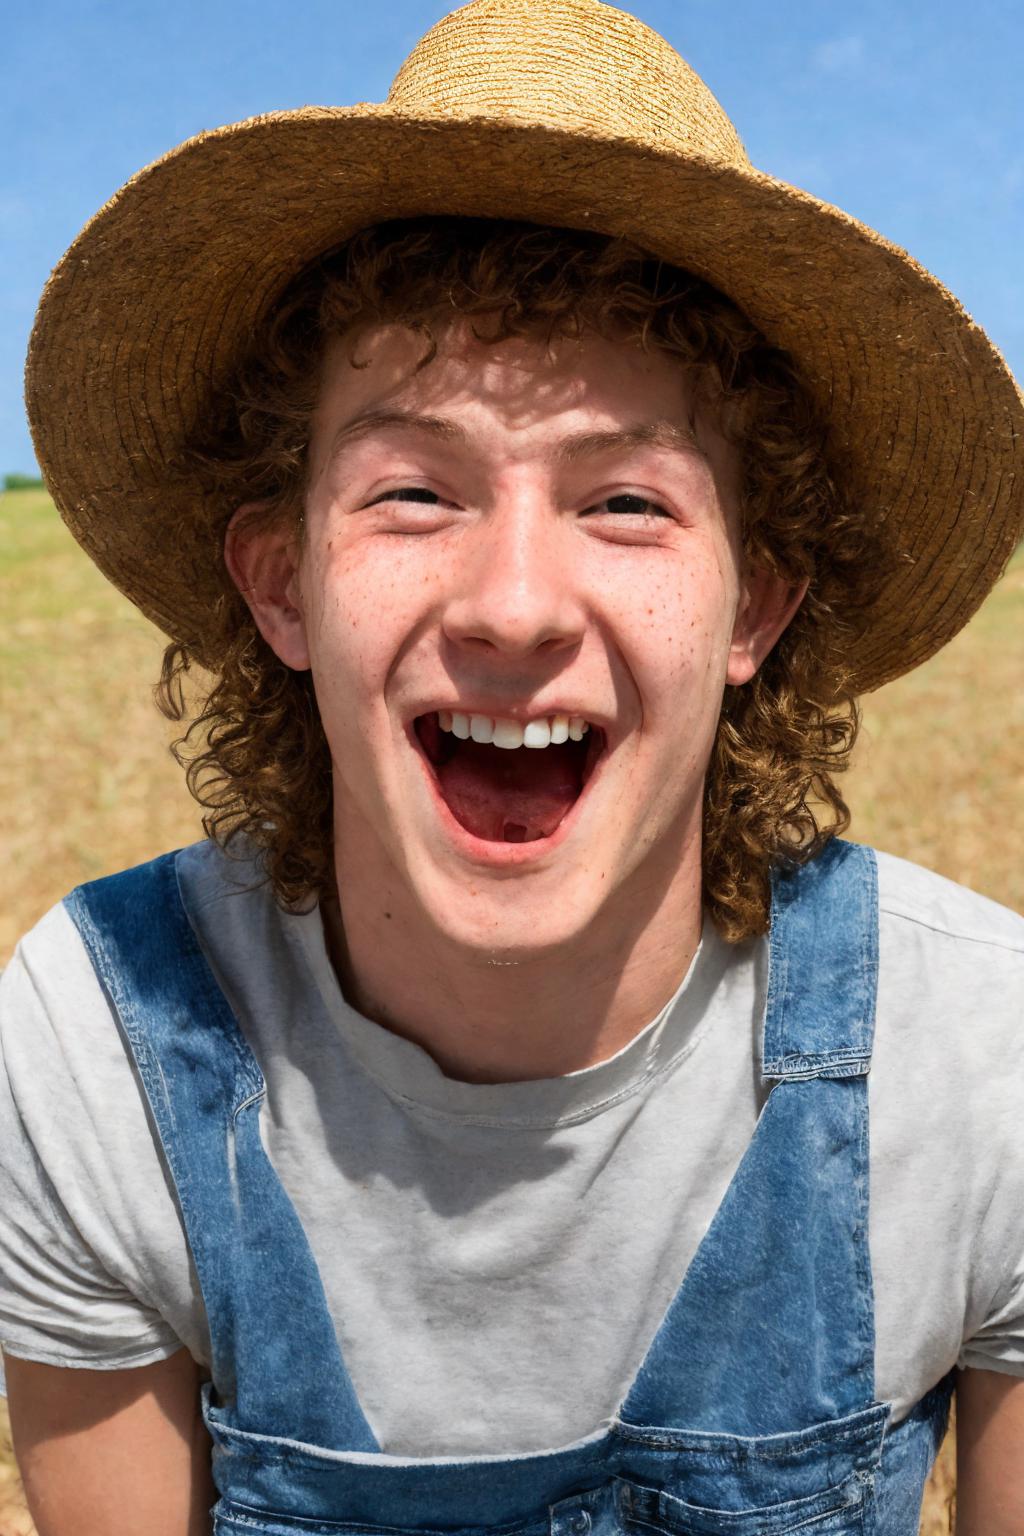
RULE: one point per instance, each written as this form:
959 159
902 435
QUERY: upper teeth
544 732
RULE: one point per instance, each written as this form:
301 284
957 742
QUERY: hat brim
152 306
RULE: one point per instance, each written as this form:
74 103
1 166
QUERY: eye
628 504
418 493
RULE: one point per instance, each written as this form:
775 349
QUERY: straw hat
563 112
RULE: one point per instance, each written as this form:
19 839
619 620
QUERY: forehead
524 387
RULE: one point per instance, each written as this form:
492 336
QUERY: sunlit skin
514 530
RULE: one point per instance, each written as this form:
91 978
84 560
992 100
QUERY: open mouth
505 782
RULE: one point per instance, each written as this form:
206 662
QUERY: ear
262 561
767 604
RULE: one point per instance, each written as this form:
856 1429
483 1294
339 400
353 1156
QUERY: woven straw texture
563 112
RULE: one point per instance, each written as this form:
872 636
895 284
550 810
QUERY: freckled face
520 532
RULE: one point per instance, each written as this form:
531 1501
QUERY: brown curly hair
257 759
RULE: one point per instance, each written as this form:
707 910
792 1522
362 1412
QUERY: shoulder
56 1003
947 1160
949 1041
223 893
62 1063
63 1066
52 1004
48 978
204 873
268 961
913 898
951 971
58 1037
87 1219
951 966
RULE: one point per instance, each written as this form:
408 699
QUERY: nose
513 590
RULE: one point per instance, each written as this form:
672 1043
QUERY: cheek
369 598
678 622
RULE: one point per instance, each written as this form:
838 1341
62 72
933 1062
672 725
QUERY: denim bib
753 1412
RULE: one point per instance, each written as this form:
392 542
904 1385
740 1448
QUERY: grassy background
87 785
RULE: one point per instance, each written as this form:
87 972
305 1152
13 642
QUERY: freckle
387 915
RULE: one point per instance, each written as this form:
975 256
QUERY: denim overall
754 1409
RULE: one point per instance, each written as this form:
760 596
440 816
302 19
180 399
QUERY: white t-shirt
478 1243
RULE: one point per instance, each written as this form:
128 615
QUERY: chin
529 913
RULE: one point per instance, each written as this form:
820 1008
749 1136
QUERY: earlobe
766 607
262 562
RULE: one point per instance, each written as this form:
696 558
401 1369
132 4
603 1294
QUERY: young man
473 1134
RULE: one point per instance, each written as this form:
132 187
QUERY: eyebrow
652 434
578 445
439 427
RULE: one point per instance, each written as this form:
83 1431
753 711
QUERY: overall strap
772 1329
823 966
275 1358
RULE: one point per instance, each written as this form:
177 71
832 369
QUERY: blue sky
907 113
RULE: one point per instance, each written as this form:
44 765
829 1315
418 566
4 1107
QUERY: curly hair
256 755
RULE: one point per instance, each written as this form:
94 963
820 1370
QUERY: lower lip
481 850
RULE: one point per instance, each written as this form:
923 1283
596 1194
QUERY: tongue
510 797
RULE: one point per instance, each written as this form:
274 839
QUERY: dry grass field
87 785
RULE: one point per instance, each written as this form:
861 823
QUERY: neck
545 1014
